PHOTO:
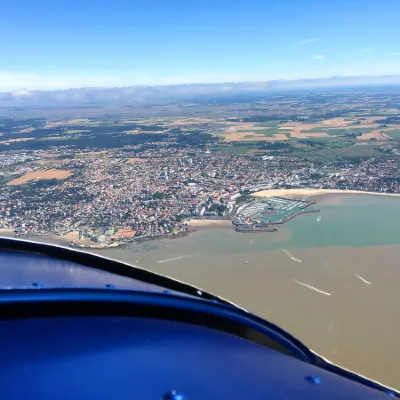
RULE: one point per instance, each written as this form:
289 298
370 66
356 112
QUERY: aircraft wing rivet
313 379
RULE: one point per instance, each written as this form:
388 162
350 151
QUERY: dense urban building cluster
123 195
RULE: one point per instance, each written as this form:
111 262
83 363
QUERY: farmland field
40 175
393 133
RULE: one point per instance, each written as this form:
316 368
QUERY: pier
254 228
291 216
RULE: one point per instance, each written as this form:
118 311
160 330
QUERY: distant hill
153 95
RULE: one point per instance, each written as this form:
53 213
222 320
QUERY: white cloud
368 50
16 80
396 53
26 80
10 80
312 40
318 57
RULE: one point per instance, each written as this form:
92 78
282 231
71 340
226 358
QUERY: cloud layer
148 95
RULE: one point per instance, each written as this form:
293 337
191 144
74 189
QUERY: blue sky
60 44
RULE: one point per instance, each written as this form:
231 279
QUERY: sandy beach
69 237
7 232
200 224
306 192
55 239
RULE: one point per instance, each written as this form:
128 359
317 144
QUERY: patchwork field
240 131
393 133
362 129
250 135
378 135
76 121
190 121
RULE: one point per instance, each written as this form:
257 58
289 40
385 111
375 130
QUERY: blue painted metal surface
131 357
139 358
24 270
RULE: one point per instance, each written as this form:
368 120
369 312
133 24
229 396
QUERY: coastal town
110 198
100 179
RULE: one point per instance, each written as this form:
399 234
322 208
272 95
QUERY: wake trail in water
177 258
291 256
362 279
311 287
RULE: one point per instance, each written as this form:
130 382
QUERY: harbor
256 215
266 214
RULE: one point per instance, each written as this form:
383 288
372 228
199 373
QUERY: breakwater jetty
246 228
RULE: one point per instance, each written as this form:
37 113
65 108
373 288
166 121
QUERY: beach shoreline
64 240
206 224
197 225
7 232
308 192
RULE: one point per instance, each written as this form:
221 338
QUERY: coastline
7 232
206 224
323 196
70 236
51 238
307 192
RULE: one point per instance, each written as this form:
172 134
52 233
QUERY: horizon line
244 81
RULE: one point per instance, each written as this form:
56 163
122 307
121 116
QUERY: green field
270 124
339 130
327 142
314 149
318 129
324 155
393 133
241 149
268 132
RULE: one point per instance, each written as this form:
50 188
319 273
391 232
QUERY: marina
266 214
